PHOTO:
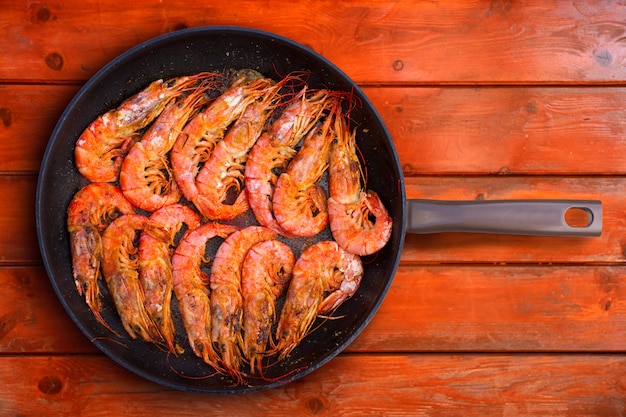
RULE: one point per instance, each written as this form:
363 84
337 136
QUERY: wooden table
484 100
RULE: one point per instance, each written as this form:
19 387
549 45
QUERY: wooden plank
506 130
427 309
19 244
24 128
404 42
500 308
364 385
32 319
18 232
539 130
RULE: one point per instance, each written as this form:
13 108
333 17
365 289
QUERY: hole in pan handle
517 217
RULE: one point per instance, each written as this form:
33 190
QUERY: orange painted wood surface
422 384
428 309
16 220
444 130
484 100
452 42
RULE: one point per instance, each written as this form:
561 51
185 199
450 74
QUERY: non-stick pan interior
187 52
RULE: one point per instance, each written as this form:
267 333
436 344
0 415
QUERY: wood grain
521 130
24 131
403 42
18 232
484 100
423 385
32 319
451 130
500 308
17 221
455 308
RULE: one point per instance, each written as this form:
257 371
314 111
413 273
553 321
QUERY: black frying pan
217 48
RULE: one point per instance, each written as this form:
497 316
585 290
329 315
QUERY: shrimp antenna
108 339
194 378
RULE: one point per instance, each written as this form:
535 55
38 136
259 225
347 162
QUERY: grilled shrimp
221 177
120 267
299 203
323 268
275 148
89 213
102 146
265 275
226 297
191 288
155 273
146 178
351 208
195 143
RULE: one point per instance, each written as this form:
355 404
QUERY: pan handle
517 217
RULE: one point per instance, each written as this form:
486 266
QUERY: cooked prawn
145 177
265 275
102 146
221 177
359 221
155 273
191 288
323 268
89 213
299 203
120 267
195 143
226 297
275 148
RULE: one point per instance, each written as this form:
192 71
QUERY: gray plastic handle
518 217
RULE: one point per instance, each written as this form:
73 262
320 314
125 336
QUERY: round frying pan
196 50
